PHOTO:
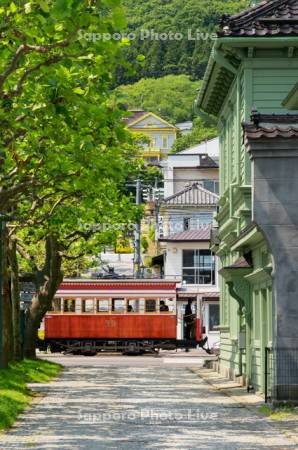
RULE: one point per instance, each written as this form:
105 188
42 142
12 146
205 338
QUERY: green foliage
173 56
15 395
201 132
152 233
151 175
144 244
171 97
66 153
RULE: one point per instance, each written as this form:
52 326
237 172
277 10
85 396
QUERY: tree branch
71 258
27 48
30 70
22 252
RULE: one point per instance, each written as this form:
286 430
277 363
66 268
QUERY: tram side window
150 306
69 305
87 306
166 305
133 306
56 305
118 305
102 306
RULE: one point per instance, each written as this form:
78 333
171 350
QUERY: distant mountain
175 36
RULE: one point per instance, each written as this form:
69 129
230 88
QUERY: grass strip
14 393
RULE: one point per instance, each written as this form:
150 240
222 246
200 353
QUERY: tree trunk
7 322
15 300
47 282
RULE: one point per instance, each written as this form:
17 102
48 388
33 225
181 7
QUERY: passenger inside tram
163 307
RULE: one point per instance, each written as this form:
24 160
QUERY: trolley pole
137 256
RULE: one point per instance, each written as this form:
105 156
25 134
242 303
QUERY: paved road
134 406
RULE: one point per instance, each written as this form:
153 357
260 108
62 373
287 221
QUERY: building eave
219 75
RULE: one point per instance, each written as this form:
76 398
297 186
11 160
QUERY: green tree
182 56
172 97
202 131
64 151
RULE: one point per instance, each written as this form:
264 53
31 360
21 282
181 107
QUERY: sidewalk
251 401
133 407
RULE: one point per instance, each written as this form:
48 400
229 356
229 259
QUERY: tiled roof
202 234
271 126
194 195
268 18
253 132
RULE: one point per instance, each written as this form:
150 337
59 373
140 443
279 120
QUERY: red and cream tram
131 316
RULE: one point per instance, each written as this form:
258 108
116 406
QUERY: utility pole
137 246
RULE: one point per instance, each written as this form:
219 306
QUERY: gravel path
135 407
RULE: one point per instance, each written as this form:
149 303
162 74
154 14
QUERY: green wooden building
254 68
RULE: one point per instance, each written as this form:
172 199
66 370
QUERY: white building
185 127
198 164
185 226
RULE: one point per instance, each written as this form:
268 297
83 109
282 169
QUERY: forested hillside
171 97
172 56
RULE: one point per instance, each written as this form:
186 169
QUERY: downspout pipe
241 303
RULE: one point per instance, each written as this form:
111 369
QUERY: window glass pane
133 306
186 223
56 305
102 306
205 218
188 276
205 259
69 305
88 306
188 258
213 316
205 276
150 305
166 305
209 185
118 305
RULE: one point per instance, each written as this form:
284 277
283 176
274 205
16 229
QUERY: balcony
157 152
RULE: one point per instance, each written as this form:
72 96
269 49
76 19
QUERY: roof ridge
259 7
195 185
238 24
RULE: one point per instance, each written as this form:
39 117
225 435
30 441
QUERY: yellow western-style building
161 134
